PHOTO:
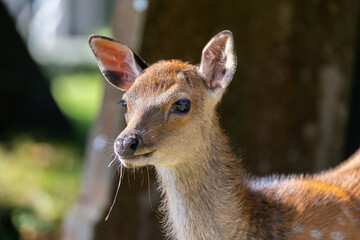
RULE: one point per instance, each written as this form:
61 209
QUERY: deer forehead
165 81
153 101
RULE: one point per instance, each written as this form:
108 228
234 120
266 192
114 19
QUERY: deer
172 124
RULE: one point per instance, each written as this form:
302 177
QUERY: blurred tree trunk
94 197
132 216
287 106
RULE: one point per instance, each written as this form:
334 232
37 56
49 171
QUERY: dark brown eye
182 106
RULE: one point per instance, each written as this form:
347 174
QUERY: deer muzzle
127 146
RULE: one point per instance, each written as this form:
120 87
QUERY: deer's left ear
218 62
118 63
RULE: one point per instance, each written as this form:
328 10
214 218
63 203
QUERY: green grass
40 182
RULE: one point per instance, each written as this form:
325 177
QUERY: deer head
170 105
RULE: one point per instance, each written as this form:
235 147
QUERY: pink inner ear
116 61
214 60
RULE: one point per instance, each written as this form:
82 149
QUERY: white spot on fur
99 142
341 221
298 228
346 211
336 236
316 234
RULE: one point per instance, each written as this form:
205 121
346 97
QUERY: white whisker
117 191
115 158
149 185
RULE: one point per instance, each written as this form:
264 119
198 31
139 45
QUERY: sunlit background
293 105
40 173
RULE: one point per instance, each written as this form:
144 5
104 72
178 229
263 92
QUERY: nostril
126 147
134 144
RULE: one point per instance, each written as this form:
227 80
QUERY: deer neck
203 197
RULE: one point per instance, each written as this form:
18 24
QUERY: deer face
169 106
162 110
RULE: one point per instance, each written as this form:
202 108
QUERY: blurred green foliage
39 181
78 96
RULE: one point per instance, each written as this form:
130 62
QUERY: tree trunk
132 218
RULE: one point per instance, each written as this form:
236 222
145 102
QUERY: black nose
126 147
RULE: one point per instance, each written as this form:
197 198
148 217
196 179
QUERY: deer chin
136 161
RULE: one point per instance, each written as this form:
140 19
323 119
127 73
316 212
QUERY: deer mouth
136 160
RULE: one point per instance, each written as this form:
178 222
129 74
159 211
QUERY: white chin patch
134 162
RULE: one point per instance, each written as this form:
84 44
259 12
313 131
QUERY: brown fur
206 193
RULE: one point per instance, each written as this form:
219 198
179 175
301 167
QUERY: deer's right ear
118 63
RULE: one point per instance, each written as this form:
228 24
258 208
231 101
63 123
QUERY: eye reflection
182 106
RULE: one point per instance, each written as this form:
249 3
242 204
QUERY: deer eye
182 106
123 103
